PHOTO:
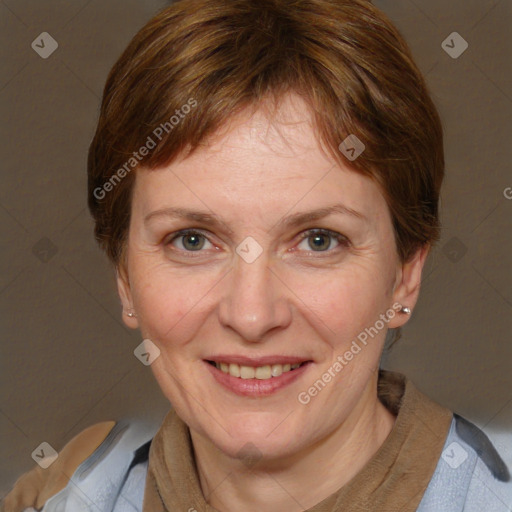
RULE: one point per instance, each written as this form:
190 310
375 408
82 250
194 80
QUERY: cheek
343 302
171 304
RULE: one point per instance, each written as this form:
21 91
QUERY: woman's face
251 286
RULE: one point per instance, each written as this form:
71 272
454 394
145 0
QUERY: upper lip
256 361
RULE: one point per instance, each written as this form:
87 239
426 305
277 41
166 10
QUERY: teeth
246 372
276 370
263 372
234 370
260 372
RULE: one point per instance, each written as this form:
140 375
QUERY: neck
292 484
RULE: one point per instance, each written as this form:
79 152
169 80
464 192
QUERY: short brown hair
343 57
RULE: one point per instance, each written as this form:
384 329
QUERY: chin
257 439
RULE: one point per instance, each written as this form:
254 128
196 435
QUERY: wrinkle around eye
174 245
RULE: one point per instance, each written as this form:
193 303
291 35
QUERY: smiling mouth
265 372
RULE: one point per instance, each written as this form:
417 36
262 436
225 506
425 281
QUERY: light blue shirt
470 475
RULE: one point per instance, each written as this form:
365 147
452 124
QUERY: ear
407 285
125 294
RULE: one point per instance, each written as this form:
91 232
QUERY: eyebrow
300 218
293 220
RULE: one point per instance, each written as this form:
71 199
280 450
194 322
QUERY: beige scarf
394 479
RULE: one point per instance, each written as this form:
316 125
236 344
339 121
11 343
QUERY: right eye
188 240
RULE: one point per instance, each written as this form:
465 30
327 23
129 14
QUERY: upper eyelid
183 232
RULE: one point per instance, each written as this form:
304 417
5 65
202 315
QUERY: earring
405 310
131 315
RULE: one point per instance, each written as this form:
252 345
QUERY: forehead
259 163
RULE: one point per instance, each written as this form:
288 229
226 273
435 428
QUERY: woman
265 178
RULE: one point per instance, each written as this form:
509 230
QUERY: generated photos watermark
304 397
137 156
146 352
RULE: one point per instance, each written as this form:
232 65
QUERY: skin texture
292 300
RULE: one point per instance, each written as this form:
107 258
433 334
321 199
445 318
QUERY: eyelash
341 239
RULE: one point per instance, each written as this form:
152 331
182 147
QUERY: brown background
67 360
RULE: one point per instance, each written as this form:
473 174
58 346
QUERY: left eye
321 240
190 240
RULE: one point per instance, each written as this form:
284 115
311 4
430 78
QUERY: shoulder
34 487
102 452
470 474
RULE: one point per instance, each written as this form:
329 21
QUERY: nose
256 300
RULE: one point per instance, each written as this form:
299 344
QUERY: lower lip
256 387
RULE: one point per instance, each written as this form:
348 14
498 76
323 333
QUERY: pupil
193 242
319 242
